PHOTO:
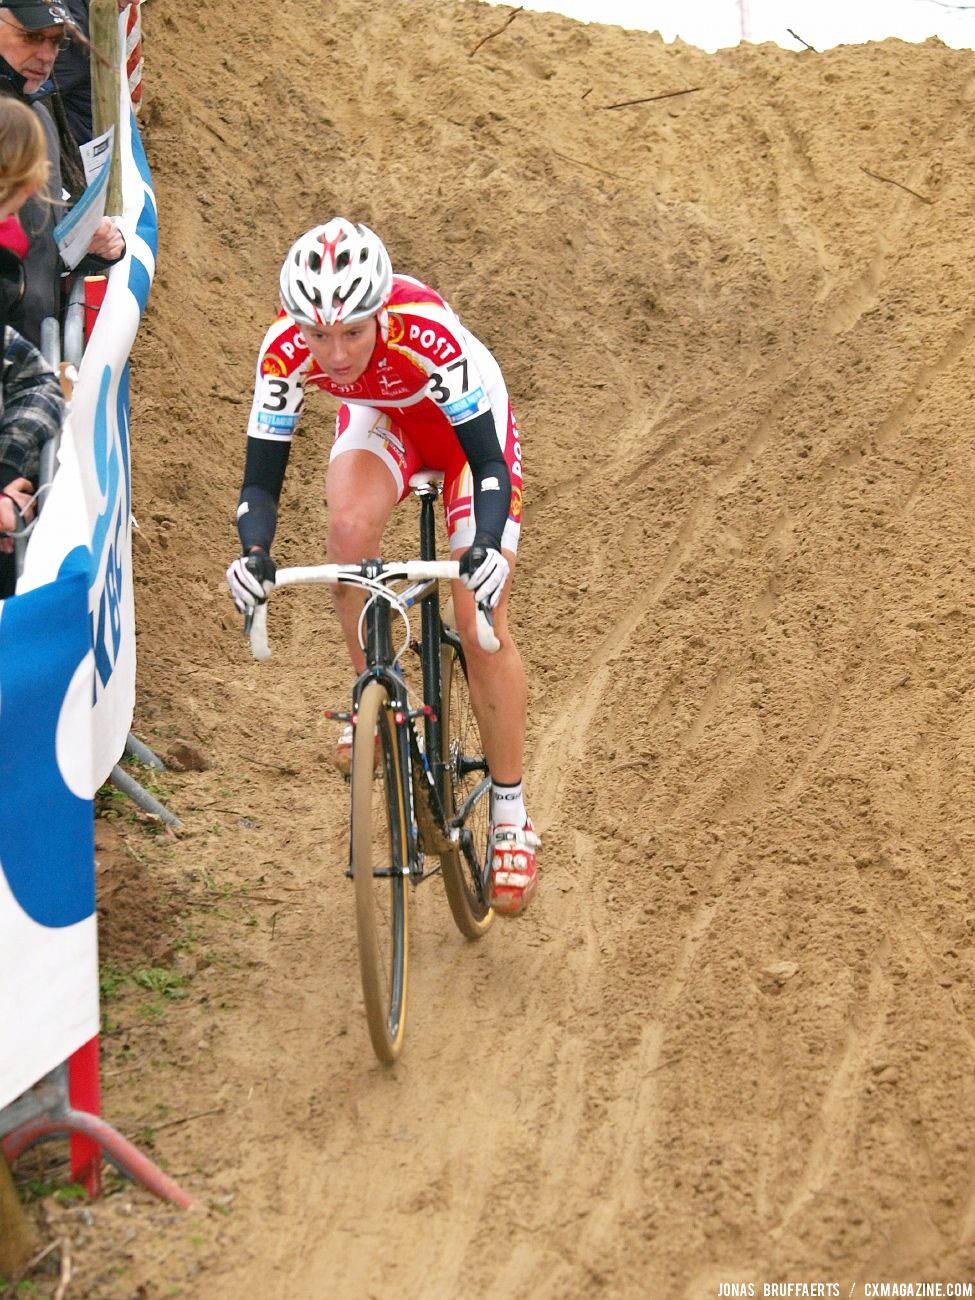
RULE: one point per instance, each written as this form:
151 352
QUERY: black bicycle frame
380 656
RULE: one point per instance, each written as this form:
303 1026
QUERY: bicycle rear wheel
380 861
467 784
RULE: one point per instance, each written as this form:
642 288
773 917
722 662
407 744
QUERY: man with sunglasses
31 411
31 34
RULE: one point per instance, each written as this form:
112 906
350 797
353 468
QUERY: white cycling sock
508 805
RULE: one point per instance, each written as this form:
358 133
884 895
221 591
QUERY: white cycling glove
484 571
250 579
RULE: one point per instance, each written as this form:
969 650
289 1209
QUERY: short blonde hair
23 149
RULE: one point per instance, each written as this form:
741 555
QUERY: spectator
31 34
31 404
31 411
23 169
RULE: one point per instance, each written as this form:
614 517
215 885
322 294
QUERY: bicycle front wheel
380 865
467 789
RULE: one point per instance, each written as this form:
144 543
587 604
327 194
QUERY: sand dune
734 1039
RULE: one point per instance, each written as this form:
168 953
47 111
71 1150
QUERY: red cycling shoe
514 869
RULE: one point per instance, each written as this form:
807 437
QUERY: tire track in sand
563 737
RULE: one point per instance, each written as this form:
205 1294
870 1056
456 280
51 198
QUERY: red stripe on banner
133 49
85 1093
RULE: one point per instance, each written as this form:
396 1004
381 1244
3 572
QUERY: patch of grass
190 938
152 779
35 1189
109 802
165 985
39 1188
159 979
111 979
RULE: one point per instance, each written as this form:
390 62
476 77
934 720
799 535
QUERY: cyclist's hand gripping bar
255 623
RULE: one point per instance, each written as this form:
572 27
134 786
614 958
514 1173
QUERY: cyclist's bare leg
361 494
497 684
498 696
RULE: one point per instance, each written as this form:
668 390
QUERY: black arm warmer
257 511
479 442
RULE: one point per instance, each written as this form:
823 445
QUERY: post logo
432 340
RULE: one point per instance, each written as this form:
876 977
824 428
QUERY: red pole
95 287
85 1094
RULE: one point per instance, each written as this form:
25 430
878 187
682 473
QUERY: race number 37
445 388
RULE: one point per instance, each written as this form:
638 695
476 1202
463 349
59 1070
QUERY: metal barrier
74 323
45 1111
142 798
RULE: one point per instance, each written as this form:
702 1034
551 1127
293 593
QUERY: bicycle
435 789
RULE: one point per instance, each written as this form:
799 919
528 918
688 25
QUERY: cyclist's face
342 351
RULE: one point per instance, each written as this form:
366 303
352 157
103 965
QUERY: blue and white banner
67 676
98 428
48 943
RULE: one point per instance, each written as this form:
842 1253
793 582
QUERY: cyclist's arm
257 509
279 392
492 482
457 388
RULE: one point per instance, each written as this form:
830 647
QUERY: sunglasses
38 38
12 281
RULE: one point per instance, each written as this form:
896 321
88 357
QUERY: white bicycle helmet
336 272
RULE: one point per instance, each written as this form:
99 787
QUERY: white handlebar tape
260 648
485 634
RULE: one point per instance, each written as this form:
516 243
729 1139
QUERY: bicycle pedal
338 715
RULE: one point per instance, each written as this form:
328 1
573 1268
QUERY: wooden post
105 89
15 1236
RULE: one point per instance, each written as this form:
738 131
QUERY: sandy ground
733 1041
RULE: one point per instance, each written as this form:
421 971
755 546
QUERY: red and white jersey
426 368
